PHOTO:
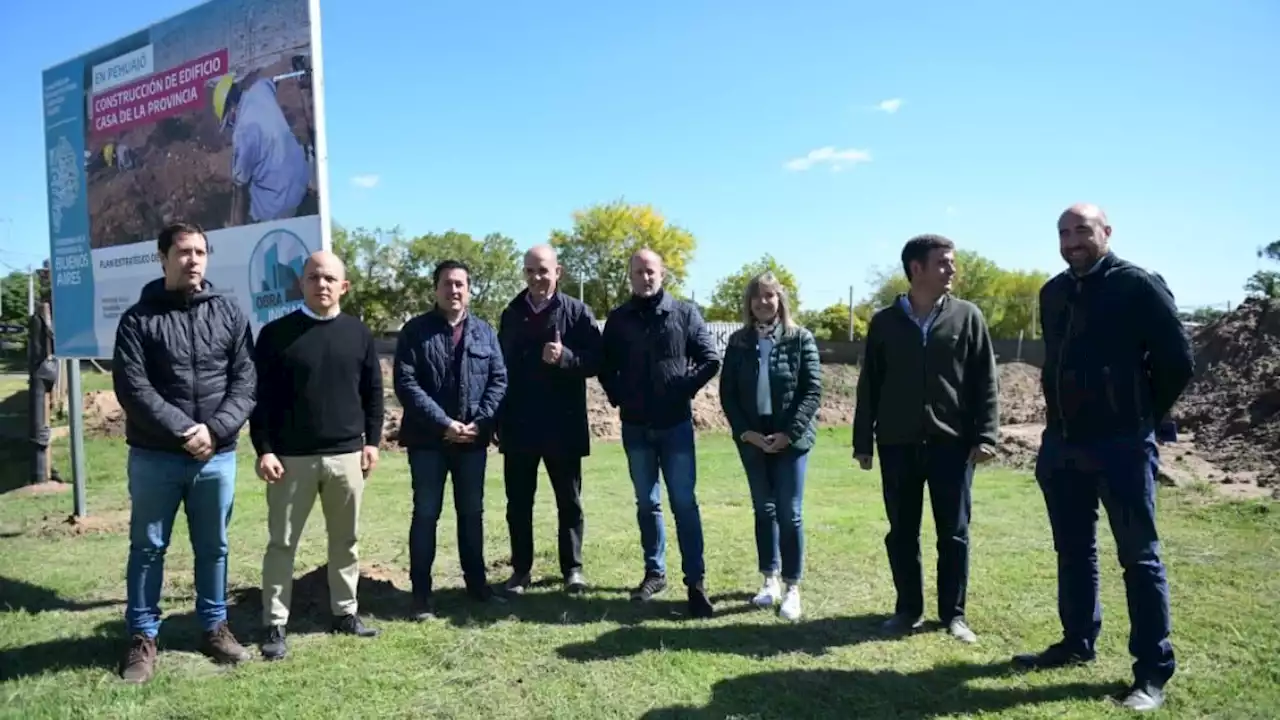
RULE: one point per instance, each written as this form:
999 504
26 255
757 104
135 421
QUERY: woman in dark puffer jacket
770 389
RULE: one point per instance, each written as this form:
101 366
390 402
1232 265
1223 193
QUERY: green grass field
550 656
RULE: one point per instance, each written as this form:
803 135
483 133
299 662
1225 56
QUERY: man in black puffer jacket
656 355
184 374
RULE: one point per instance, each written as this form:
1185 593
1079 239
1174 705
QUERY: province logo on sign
275 274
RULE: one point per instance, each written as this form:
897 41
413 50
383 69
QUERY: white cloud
365 181
838 159
889 106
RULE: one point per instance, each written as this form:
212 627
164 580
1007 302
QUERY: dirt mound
839 387
1233 402
1021 400
103 414
379 587
1019 445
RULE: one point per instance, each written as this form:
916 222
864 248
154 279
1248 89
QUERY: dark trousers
905 470
429 470
1121 474
520 474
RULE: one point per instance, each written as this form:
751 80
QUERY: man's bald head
646 273
324 282
1084 236
541 272
326 259
1087 211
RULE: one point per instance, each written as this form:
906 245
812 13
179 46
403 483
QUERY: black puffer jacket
180 361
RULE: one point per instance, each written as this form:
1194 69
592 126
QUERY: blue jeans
776 481
158 483
429 470
671 451
1121 474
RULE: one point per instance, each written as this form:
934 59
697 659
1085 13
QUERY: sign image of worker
210 117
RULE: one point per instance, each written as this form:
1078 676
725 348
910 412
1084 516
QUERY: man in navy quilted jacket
450 378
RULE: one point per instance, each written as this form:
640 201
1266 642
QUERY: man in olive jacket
927 398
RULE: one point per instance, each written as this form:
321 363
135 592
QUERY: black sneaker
650 586
353 625
1057 655
485 594
517 584
699 604
273 646
575 583
1141 697
902 623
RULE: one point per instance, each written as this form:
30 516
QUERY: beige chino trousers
339 482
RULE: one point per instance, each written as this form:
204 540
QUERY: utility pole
31 291
850 313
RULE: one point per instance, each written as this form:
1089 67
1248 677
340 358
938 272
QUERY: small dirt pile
1233 402
382 591
103 415
1021 401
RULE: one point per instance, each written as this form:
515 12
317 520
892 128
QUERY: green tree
373 260
832 323
1007 298
726 301
495 265
13 295
1202 315
597 251
1266 283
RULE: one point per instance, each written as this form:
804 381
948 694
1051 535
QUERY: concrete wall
842 353
850 353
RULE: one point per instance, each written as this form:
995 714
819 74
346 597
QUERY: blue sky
506 117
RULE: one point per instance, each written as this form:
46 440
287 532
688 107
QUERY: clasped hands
460 433
775 442
198 442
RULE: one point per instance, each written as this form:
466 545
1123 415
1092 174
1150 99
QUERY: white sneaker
769 593
790 609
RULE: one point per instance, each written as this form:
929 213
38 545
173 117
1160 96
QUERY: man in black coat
1116 360
551 345
184 374
656 356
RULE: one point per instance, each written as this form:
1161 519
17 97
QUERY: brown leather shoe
139 663
223 647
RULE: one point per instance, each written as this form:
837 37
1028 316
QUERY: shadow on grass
936 692
22 596
815 637
15 453
553 607
105 646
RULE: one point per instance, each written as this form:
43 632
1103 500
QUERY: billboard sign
215 117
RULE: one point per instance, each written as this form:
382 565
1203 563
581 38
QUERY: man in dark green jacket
927 398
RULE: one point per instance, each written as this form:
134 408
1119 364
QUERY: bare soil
1233 403
1221 443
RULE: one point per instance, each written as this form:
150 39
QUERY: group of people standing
189 375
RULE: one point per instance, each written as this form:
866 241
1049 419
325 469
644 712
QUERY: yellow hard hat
109 154
220 91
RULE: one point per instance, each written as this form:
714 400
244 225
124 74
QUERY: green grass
550 656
